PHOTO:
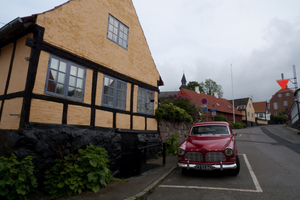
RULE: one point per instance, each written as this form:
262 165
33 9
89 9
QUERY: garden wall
167 129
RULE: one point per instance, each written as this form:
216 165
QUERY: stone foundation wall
167 129
48 142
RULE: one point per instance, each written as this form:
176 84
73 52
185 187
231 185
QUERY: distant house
77 74
281 101
262 113
246 108
214 103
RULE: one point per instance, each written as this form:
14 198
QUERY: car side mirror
235 133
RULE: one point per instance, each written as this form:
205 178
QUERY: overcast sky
203 38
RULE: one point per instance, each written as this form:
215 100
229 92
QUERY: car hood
207 143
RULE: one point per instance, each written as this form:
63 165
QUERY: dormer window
117 32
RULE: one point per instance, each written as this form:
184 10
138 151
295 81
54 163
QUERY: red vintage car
209 146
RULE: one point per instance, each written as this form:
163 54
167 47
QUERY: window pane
105 99
72 81
80 73
105 90
78 93
54 64
53 75
109 35
120 94
120 103
61 78
79 83
115 23
121 27
114 38
110 101
111 82
71 92
111 91
73 70
63 67
60 89
51 86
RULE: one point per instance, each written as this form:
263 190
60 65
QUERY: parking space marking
255 181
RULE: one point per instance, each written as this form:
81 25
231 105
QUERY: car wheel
235 172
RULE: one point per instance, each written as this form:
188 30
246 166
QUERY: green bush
72 174
16 177
172 145
220 118
170 112
238 125
165 112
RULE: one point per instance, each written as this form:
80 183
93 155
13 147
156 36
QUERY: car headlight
228 151
180 151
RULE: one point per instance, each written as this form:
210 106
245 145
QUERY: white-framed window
287 94
285 103
114 93
279 95
65 79
260 115
249 105
145 101
275 105
117 32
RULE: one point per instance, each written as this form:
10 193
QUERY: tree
192 84
208 87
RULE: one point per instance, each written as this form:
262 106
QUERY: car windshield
210 130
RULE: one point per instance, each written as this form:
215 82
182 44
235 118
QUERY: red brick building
281 101
222 106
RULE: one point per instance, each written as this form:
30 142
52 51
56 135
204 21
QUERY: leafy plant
172 145
220 118
16 177
72 174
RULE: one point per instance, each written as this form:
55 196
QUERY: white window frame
145 101
285 103
287 94
117 32
280 95
67 77
114 93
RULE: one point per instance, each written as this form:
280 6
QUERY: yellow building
84 66
246 108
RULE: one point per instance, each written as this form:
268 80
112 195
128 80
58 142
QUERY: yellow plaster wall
5 57
122 121
135 95
264 122
104 119
151 124
251 111
78 115
99 89
20 66
41 74
42 111
88 86
80 27
11 108
138 123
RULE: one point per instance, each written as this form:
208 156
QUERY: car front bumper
213 167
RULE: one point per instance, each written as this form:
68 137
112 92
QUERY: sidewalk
135 187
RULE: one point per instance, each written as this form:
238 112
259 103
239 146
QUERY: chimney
216 94
197 89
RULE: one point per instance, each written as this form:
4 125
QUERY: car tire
235 172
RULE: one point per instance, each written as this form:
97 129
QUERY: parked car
209 146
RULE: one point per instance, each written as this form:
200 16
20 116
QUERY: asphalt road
270 169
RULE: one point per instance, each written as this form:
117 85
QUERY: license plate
203 167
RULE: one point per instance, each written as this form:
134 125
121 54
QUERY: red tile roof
260 107
220 104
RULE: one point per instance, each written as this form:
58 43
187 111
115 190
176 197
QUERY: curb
146 191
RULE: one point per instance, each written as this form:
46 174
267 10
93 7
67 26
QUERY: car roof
210 123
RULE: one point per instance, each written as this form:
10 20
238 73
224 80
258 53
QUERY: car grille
194 156
215 156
